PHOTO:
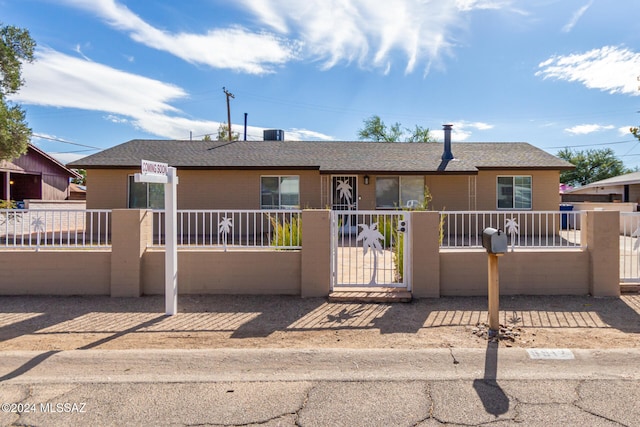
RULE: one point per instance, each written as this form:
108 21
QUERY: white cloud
587 129
462 130
116 119
65 158
625 130
576 17
127 98
91 86
233 48
371 32
610 68
295 134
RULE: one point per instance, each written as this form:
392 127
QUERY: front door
344 193
344 197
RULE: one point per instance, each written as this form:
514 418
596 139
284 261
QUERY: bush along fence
263 252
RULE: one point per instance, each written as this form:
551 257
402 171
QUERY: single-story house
34 175
623 188
339 175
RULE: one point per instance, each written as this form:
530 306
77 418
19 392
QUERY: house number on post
161 173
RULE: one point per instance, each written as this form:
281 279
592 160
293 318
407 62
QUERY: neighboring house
623 188
36 176
338 175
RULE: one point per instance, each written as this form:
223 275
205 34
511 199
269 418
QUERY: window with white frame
143 195
399 191
514 192
280 192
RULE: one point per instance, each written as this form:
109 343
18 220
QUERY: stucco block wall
425 262
233 272
316 253
604 252
55 273
560 272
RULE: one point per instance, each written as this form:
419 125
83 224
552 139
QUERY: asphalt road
321 387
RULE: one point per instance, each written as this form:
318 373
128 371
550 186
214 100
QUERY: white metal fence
630 247
229 229
60 228
370 249
525 229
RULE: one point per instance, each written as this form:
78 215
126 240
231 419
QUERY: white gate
629 247
370 249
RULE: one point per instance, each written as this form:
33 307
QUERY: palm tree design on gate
636 234
38 226
512 228
345 191
371 237
224 228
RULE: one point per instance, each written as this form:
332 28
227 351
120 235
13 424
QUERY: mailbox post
495 242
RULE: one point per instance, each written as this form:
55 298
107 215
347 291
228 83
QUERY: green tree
590 166
223 133
376 130
16 46
83 177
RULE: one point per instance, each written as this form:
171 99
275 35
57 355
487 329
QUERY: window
514 192
280 192
144 195
399 191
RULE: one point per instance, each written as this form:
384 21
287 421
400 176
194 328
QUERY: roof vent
273 135
447 155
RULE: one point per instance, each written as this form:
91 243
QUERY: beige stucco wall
604 252
240 189
316 253
28 272
233 272
450 192
545 184
201 189
532 272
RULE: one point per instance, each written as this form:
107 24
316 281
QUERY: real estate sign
162 173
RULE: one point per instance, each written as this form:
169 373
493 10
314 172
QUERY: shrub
286 233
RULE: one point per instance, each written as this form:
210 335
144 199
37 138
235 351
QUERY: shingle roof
626 179
331 157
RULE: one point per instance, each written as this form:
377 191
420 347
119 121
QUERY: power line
591 145
65 142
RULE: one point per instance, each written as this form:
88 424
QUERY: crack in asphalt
576 403
427 392
303 405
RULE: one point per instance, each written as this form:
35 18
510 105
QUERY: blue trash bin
564 218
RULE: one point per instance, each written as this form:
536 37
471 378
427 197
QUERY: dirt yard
64 323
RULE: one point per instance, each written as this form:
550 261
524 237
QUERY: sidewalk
222 321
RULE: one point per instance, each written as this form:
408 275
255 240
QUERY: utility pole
229 95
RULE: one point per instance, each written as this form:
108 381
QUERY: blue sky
554 73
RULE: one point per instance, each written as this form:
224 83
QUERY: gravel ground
223 321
